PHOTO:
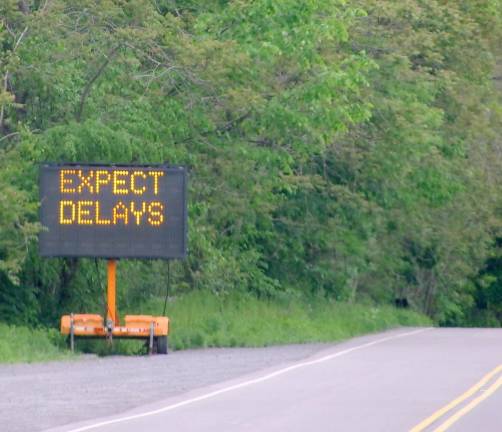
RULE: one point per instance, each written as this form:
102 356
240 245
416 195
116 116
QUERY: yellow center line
471 405
442 411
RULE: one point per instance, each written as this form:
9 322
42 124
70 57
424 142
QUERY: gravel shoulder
39 396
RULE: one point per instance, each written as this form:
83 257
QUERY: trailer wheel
162 344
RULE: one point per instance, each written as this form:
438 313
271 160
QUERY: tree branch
23 7
87 88
223 128
2 109
6 77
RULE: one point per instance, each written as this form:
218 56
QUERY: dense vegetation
22 344
202 319
340 150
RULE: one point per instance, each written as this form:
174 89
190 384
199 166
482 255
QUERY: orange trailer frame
154 329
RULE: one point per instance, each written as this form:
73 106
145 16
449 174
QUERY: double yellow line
463 411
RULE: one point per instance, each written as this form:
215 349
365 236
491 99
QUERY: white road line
246 383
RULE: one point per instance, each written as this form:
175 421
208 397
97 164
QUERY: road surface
404 380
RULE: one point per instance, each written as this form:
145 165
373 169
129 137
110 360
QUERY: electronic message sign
113 211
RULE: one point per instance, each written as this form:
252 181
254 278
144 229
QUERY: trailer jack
153 330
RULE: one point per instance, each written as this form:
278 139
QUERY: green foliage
22 344
203 319
347 150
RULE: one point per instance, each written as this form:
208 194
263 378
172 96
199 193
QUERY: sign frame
177 169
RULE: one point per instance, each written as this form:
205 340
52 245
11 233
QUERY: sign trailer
114 211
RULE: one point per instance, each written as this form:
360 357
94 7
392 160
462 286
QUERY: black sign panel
113 211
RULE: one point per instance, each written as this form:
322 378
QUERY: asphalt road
395 381
36 397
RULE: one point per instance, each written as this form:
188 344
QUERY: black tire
162 344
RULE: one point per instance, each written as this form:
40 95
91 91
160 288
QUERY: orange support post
111 292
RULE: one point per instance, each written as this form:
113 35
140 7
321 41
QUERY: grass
203 319
22 344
